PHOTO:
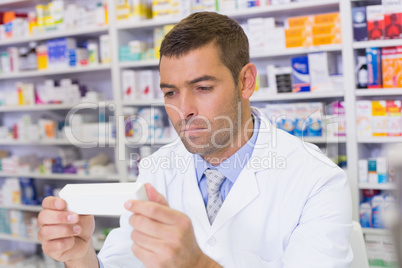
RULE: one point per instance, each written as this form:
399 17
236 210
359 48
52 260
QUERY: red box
375 22
393 19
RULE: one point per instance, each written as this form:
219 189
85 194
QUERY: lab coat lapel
194 199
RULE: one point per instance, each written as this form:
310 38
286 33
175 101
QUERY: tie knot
214 180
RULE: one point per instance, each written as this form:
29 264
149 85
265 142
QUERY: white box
129 87
320 66
101 198
363 115
363 170
146 84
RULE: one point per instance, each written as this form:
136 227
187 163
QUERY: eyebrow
194 81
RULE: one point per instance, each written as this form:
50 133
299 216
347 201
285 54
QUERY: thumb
154 195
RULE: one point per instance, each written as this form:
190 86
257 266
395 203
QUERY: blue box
300 74
373 55
359 21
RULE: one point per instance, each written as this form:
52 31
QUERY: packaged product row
56 15
62 161
378 118
136 10
56 54
311 119
379 68
376 20
264 34
75 127
380 251
18 223
141 85
376 209
376 170
64 91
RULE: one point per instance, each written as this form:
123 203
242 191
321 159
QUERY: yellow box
327 18
298 42
379 118
300 21
331 28
327 39
298 32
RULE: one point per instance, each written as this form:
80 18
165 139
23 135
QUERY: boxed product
300 74
392 18
399 66
327 39
363 171
302 112
374 67
147 84
327 18
375 22
379 118
359 21
321 66
128 80
289 120
363 115
394 118
389 65
304 21
382 169
365 215
326 29
314 120
338 109
299 42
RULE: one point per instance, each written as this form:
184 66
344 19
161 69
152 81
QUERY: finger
50 217
146 241
54 203
148 226
52 232
154 195
143 254
154 211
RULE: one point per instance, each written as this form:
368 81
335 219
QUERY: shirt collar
232 166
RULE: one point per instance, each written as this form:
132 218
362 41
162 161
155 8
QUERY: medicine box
321 65
304 21
326 18
375 22
374 67
359 21
392 19
389 65
101 198
394 124
379 118
363 114
300 74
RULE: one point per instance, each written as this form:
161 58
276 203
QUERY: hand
163 237
66 236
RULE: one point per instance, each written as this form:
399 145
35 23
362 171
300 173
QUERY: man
218 203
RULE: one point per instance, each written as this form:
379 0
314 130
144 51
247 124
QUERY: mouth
193 130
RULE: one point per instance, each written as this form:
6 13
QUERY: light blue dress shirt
230 168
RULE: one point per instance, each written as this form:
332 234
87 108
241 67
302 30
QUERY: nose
188 104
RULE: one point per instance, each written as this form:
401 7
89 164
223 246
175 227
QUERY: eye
169 94
204 88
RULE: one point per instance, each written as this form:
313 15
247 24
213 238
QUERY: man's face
201 100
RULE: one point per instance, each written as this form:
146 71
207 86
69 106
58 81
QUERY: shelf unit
378 186
116 29
379 92
377 43
18 239
373 231
31 208
379 140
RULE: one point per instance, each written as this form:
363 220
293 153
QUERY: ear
248 76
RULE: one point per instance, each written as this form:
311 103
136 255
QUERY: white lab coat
298 215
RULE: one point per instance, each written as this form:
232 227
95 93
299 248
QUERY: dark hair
204 28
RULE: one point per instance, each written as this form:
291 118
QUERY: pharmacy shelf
296 51
379 139
144 103
22 207
56 34
270 54
321 140
156 142
50 142
298 96
72 70
378 186
377 43
283 9
76 177
18 239
47 107
145 24
374 231
139 64
379 92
